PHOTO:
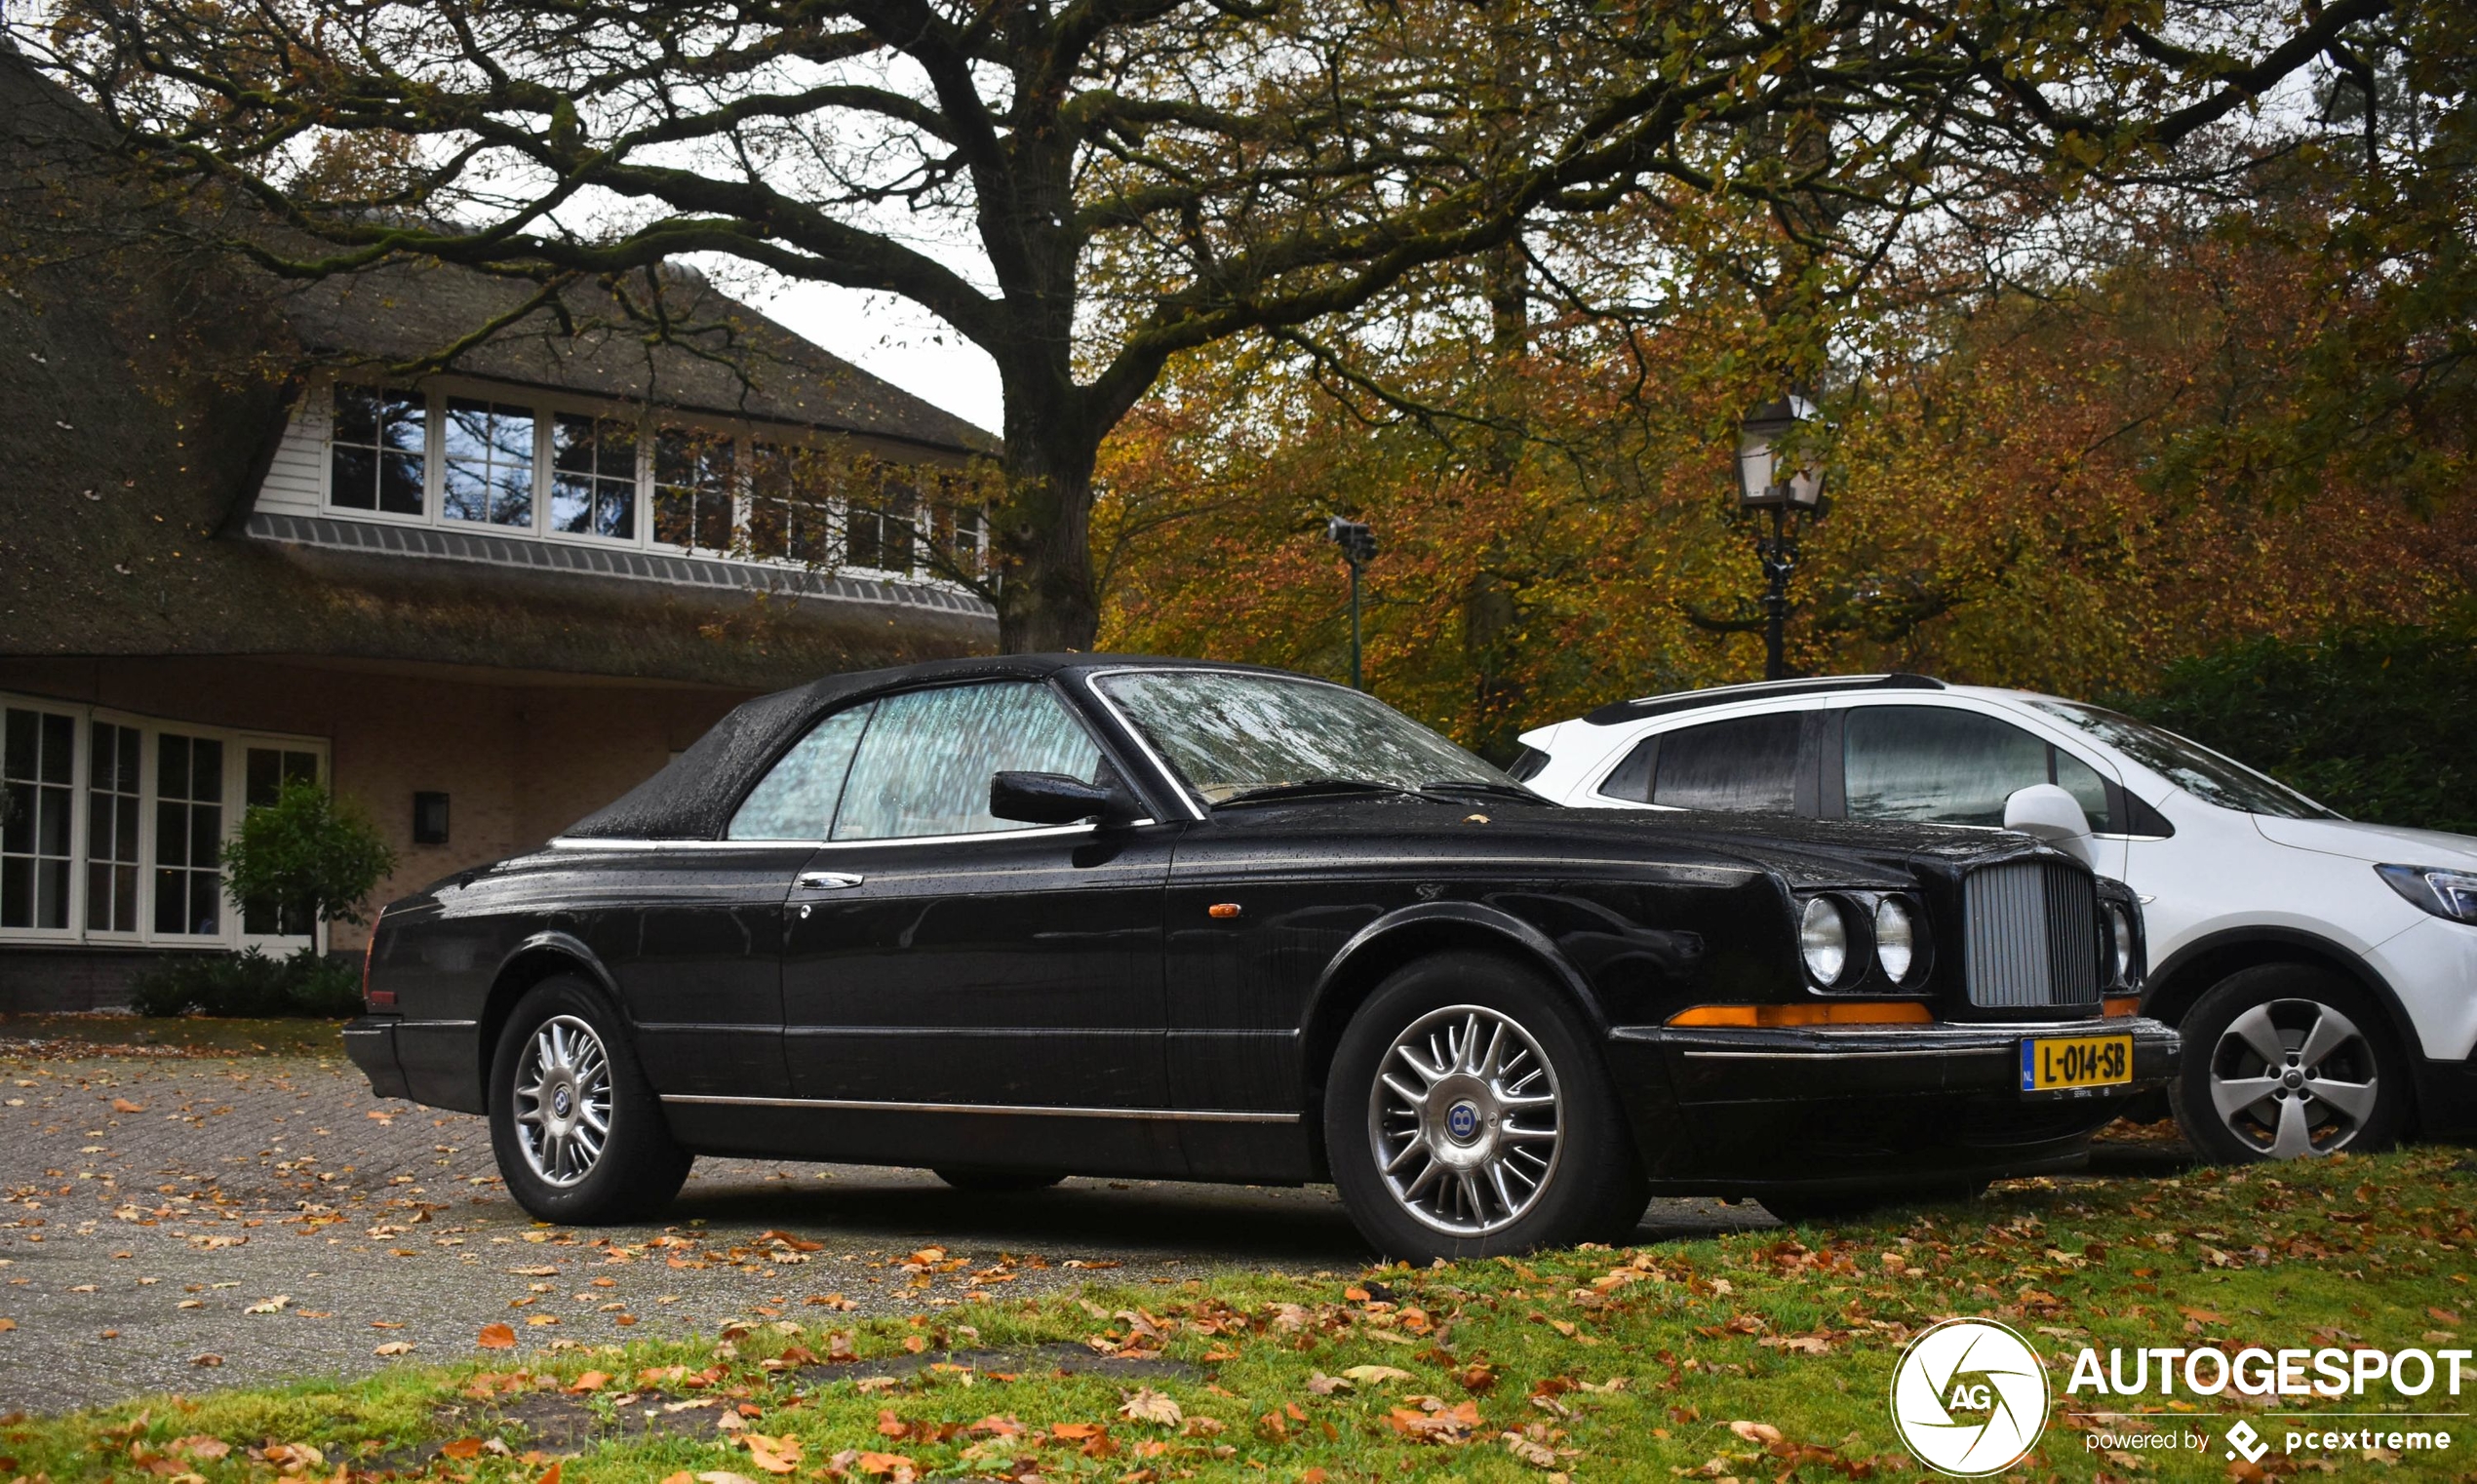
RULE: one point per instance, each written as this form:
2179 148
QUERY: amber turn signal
1862 1012
1222 909
2119 1006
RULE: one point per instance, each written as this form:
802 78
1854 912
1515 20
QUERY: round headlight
1896 938
1823 940
2120 931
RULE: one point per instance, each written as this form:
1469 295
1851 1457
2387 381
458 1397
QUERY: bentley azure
1021 918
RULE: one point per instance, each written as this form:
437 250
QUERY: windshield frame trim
1161 769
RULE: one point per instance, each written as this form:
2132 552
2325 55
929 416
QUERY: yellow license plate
2059 1063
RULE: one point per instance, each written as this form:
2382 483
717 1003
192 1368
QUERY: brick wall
520 756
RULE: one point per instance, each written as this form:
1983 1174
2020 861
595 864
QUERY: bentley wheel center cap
559 1103
1462 1121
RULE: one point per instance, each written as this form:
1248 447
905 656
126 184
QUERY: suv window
1944 765
924 765
1745 763
795 799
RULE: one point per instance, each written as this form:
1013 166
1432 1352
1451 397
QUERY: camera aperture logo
1969 1397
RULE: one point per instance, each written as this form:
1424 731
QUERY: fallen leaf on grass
200 1446
1150 1406
497 1337
461 1448
775 1454
1756 1432
1375 1375
591 1381
1321 1385
1537 1455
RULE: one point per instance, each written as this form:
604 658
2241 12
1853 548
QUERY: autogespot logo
1970 1397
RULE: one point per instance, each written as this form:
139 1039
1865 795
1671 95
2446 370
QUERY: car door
954 966
1955 765
1760 761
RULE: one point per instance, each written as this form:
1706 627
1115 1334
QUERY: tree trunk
1046 602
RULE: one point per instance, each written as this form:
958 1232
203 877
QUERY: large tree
1085 188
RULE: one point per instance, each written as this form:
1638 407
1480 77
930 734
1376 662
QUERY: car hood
1807 853
2393 844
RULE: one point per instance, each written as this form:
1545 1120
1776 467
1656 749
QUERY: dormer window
489 471
693 490
380 450
592 480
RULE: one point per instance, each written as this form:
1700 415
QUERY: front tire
578 1133
2284 1061
1467 1114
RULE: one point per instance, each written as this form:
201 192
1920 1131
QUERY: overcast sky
896 339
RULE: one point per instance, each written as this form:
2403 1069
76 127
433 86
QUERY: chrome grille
2032 929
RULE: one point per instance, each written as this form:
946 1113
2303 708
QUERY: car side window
1745 763
925 764
795 799
1939 765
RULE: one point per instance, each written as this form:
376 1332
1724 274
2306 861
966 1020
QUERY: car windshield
2189 765
1231 735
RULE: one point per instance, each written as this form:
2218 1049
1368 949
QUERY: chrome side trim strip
866 1104
1839 1056
1036 832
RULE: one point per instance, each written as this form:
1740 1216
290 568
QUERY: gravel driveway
178 1223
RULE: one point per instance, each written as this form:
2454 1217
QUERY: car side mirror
2053 815
1056 798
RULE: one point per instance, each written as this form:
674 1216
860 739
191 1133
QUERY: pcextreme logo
1969 1397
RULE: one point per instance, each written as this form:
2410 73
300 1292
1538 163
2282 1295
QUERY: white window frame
546 406
150 728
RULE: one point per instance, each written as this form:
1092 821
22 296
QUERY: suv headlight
1896 939
1823 940
2121 943
2442 890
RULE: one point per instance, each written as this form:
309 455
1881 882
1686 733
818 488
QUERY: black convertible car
1020 917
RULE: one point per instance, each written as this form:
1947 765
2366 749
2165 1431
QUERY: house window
593 479
879 535
188 834
264 772
114 798
488 474
693 490
959 528
37 772
377 450
789 510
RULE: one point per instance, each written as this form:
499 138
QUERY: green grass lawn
1762 1356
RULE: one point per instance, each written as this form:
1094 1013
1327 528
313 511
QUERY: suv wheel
578 1133
2284 1061
1468 1115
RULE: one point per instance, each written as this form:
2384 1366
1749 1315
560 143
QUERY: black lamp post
1358 547
1763 484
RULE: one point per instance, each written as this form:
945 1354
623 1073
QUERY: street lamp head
1763 484
1356 540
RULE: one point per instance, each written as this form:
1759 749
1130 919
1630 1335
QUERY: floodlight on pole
1358 548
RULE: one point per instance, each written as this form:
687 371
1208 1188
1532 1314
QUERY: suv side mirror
2053 815
1056 798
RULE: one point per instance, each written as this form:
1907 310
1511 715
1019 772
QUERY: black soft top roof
692 799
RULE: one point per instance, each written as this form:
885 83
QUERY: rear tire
578 1132
2284 1060
1469 1113
987 1182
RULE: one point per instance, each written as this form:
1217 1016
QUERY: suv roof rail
1689 700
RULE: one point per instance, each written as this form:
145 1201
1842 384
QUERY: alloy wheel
2292 1078
563 1100
1464 1121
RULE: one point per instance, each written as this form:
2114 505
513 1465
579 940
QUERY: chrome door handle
827 880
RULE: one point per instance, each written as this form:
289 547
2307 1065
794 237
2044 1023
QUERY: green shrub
309 850
2373 722
250 983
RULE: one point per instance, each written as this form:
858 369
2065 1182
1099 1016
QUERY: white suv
2324 972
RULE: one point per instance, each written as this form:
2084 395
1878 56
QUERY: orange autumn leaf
497 1337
